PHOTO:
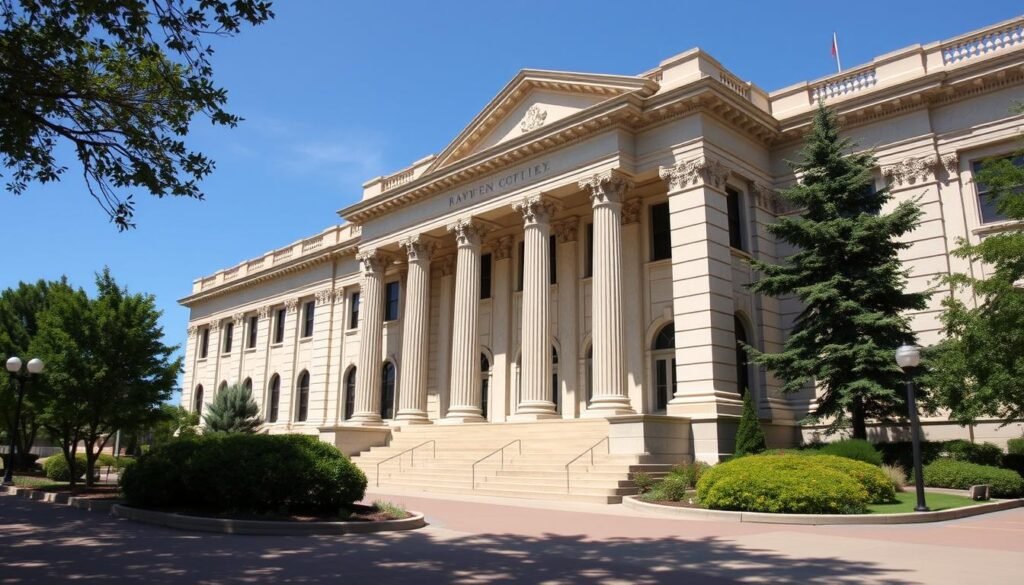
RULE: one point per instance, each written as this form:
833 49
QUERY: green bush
642 481
878 485
689 473
947 473
857 449
672 488
791 484
22 461
979 453
56 467
1015 446
106 460
749 436
244 473
901 452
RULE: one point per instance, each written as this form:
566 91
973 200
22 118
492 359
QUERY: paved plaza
477 540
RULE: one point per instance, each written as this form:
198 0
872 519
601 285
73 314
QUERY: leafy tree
978 370
110 369
175 421
233 410
749 435
848 276
120 82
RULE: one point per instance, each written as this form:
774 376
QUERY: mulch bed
359 513
672 504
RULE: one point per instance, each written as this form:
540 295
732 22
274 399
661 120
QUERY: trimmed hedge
856 449
243 473
680 479
790 484
946 473
978 453
901 452
22 461
56 467
1015 446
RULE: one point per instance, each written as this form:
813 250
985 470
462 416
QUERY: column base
706 404
534 416
605 406
535 410
412 417
364 420
463 414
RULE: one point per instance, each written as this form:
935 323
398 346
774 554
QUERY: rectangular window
485 276
229 336
553 259
588 268
254 324
391 292
307 321
279 326
353 311
204 343
661 232
732 202
989 211
522 260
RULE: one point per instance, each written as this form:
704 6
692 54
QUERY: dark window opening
485 383
229 336
552 260
254 325
308 313
742 373
391 292
387 391
353 311
732 201
661 232
588 268
279 326
198 406
204 343
303 411
989 207
485 276
275 398
522 261
350 394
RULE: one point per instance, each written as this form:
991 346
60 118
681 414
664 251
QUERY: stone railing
254 265
312 243
735 84
983 44
397 179
844 86
282 254
231 273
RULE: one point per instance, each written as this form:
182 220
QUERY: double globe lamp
33 368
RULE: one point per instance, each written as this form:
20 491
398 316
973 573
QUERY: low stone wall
264 527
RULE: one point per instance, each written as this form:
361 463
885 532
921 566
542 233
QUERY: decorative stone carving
951 162
444 266
768 199
694 172
192 330
534 118
418 247
323 297
238 318
339 296
535 209
372 261
503 248
467 232
631 211
263 312
291 305
606 187
215 326
566 230
910 170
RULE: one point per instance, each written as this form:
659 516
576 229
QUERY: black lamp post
34 367
908 357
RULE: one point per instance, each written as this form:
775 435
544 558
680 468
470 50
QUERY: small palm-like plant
233 410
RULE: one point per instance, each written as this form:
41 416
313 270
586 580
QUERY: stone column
633 313
568 332
501 295
607 190
371 323
465 364
412 395
535 400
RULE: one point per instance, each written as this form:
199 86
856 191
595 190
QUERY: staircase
517 460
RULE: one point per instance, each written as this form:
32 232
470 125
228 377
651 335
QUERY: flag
835 52
835 49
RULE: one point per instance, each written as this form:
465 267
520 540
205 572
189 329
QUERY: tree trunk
90 463
860 429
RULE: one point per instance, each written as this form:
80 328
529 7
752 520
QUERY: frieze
911 170
323 297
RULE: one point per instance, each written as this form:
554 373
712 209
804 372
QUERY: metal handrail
495 452
412 458
576 458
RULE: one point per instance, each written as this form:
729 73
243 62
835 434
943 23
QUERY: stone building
578 253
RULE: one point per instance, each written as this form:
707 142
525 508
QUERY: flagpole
835 45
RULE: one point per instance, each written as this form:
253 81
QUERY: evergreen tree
233 410
978 370
749 436
847 274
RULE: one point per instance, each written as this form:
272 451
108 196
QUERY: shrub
749 436
947 473
897 476
233 410
56 467
244 473
979 453
643 481
672 488
792 484
870 477
901 453
689 473
22 461
106 460
856 449
1015 446
1014 462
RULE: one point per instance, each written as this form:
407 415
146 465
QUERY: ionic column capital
696 172
418 247
468 232
606 187
536 209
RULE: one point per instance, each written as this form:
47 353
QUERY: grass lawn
905 502
31 481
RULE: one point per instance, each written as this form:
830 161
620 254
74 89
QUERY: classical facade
580 251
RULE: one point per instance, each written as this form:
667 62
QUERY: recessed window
989 209
303 411
198 400
391 294
350 393
353 311
522 261
742 371
732 202
204 343
387 391
254 327
229 336
485 383
273 409
661 232
307 318
588 268
247 384
485 276
279 325
552 260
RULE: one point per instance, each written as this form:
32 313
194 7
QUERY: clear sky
335 93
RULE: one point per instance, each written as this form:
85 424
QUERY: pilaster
501 298
568 282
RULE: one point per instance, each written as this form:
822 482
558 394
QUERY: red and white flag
835 51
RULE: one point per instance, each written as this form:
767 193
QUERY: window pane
229 335
279 326
588 269
553 259
353 320
307 325
275 398
204 343
661 232
988 207
485 276
254 324
391 293
732 200
522 253
303 413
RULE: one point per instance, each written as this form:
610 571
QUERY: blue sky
335 93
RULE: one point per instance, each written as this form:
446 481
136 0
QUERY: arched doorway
663 355
387 391
350 393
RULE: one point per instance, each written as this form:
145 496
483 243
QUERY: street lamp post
34 367
908 357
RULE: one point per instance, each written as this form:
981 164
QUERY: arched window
275 399
303 411
198 401
247 384
590 373
485 383
350 393
387 391
663 354
742 367
554 379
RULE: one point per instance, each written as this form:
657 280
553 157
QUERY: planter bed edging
63 499
264 527
822 519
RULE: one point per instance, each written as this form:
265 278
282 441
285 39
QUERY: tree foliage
120 82
847 275
233 410
978 370
749 435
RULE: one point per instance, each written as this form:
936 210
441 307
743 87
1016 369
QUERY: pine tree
233 410
847 274
749 436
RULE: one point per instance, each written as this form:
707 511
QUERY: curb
264 527
62 499
821 519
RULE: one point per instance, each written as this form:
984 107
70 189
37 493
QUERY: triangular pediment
533 100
